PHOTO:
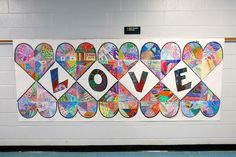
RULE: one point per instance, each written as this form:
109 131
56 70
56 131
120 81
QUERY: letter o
97 87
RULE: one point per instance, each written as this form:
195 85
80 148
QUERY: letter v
56 86
139 85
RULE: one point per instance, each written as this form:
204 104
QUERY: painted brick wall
73 19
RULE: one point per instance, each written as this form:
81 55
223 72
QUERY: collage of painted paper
119 80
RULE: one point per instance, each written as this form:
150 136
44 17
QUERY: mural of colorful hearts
118 79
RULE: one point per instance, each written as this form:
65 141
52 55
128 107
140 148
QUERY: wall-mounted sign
132 30
119 80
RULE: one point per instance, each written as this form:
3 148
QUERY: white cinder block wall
73 19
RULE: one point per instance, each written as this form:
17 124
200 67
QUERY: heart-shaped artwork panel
77 99
37 99
160 61
118 98
159 98
200 98
34 62
118 62
202 61
75 62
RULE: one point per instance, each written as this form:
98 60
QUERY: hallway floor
122 154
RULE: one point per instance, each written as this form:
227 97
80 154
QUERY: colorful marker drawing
37 99
75 62
202 61
34 62
118 62
160 61
200 98
160 98
118 98
77 99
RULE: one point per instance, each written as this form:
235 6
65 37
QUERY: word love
103 84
